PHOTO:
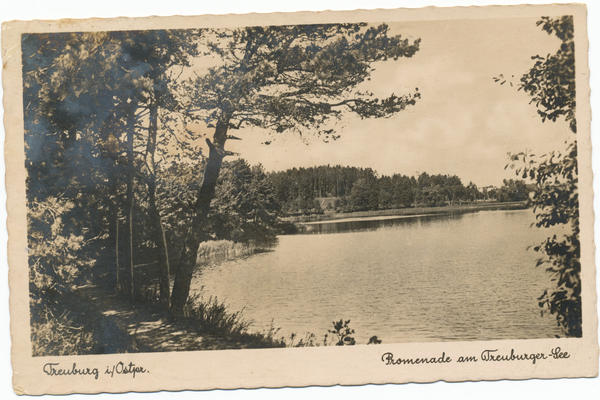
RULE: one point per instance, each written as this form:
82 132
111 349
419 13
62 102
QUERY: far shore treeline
349 189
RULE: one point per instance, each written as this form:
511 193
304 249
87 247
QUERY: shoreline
516 205
115 324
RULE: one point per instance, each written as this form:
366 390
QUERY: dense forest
348 189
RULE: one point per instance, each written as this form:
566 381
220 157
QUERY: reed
224 249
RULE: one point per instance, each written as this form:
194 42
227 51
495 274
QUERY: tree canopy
295 77
551 83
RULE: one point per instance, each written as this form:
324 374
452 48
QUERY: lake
456 276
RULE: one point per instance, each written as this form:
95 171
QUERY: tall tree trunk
196 233
118 284
158 234
129 206
113 225
159 238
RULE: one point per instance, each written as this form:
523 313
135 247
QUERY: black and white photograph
305 186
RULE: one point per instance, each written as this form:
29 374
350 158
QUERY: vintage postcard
285 200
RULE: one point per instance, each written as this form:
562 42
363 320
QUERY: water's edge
516 205
463 275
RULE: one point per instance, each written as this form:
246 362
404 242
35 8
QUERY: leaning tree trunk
196 233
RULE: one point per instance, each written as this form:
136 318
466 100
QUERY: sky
464 124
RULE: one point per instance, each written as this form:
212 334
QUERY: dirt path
121 326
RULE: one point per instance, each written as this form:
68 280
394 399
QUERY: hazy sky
464 124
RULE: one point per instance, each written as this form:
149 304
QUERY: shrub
57 336
56 255
343 332
56 261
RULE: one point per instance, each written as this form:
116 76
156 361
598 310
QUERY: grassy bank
213 317
409 211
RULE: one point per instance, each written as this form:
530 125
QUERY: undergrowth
60 336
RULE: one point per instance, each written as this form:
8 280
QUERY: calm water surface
464 276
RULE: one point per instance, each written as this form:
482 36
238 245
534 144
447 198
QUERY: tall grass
308 340
214 317
225 249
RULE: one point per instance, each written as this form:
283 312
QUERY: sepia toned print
387 191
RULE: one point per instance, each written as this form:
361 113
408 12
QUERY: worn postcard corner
381 196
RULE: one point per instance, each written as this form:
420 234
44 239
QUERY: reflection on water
462 276
369 224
